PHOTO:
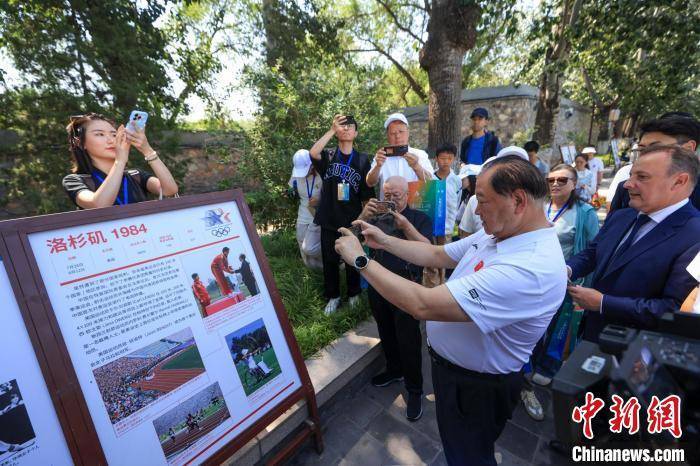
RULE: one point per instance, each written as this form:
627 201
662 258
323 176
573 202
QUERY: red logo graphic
665 415
479 266
587 412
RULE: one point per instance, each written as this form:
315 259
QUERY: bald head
396 189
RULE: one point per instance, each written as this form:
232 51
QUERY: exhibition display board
158 329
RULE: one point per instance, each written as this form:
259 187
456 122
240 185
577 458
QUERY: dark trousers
331 271
472 409
401 340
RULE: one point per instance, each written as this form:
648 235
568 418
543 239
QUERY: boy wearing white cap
413 165
595 165
307 185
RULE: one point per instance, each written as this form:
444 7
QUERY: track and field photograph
16 431
253 355
136 380
191 420
220 277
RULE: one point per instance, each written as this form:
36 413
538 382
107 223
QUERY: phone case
137 120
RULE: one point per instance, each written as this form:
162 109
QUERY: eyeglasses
560 180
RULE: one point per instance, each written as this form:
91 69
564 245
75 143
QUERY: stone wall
513 120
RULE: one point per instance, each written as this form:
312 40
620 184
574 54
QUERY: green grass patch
252 382
302 295
188 359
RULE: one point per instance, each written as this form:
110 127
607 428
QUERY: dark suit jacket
649 279
621 198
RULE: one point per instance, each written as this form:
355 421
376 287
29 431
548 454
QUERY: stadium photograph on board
136 380
253 356
185 424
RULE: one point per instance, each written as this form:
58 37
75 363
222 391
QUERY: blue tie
641 220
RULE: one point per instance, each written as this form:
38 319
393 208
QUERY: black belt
440 361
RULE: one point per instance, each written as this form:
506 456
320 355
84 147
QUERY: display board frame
52 352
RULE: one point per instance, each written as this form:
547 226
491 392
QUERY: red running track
165 380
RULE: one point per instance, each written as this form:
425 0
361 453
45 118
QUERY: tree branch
406 74
591 90
398 23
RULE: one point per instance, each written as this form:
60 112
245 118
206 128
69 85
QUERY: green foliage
298 97
302 294
75 57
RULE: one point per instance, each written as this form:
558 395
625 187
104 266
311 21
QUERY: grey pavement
366 425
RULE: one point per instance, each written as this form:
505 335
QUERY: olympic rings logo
221 231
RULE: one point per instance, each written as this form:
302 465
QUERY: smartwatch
361 262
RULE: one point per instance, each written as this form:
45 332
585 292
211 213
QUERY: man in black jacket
481 144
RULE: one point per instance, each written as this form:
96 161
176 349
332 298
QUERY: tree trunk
553 74
451 32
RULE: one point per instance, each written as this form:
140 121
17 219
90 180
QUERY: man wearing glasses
674 128
413 165
399 331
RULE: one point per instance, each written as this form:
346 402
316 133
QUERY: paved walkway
368 427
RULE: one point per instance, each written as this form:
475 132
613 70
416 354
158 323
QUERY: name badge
343 191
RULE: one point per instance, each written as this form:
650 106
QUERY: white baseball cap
301 162
588 150
510 150
395 117
469 170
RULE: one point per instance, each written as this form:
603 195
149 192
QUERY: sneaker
354 301
414 407
532 404
540 379
385 378
332 306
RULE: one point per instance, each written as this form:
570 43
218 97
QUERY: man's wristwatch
361 262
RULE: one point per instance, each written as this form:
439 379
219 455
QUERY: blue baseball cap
480 111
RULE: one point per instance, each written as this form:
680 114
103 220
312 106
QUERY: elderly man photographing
412 165
400 332
508 282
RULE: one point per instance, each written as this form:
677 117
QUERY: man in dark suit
639 258
670 128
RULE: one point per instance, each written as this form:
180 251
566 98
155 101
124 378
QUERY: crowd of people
529 273
116 382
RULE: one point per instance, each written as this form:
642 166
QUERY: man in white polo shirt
509 280
414 165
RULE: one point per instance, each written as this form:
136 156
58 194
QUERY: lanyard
124 190
346 165
309 192
561 211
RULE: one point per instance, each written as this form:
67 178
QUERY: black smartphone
395 151
384 207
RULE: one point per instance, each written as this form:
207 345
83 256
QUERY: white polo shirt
397 166
510 289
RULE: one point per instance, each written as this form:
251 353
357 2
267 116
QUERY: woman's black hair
76 141
573 197
583 156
